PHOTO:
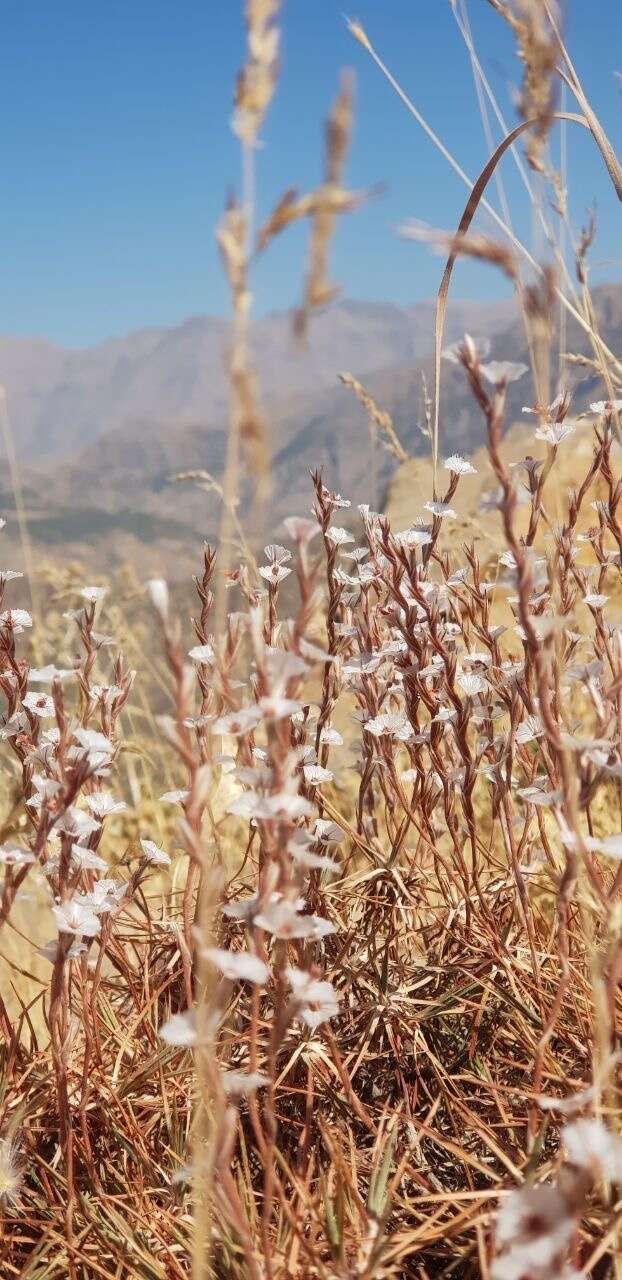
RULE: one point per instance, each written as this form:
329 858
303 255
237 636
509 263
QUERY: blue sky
116 153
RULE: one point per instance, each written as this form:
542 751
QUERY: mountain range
100 433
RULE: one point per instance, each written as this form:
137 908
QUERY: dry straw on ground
331 982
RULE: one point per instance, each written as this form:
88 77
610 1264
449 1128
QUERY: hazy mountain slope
116 497
61 400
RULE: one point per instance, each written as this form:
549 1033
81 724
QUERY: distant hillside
61 400
137 411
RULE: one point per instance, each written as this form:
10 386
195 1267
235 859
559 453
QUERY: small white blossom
340 537
312 861
554 432
533 1227
242 965
316 1000
16 620
175 797
46 675
238 1084
606 406
277 554
157 591
327 832
609 846
459 466
75 917
239 722
154 854
472 683
592 1146
529 730
39 704
498 371
93 594
315 775
203 654
15 856
180 1030
440 509
87 860
106 896
76 823
331 736
282 919
103 804
274 572
301 529
94 742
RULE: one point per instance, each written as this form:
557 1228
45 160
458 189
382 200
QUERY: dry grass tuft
312 956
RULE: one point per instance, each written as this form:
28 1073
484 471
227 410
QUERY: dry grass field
311 911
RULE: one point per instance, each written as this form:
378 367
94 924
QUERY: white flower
236 965
472 683
595 601
498 371
340 537
249 805
533 1227
239 722
327 832
46 675
15 856
75 822
281 918
15 620
93 594
331 736
180 1030
243 909
315 775
106 896
87 860
313 861
529 730
202 654
76 917
536 795
414 538
157 591
453 352
93 742
39 704
554 432
238 1084
459 466
103 804
277 708
590 1145
606 406
610 846
154 854
393 723
277 554
50 950
175 797
274 572
440 509
335 499
316 1000
301 529
8 575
